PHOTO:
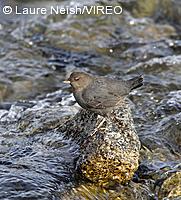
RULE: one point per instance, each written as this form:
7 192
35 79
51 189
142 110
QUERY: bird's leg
120 100
99 125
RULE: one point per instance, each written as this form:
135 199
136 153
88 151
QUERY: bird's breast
79 99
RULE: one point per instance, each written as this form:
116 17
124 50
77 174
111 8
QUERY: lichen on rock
110 152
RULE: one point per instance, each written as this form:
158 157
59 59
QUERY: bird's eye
76 78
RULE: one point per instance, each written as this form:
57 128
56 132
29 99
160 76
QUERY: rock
171 187
130 191
158 65
109 146
5 90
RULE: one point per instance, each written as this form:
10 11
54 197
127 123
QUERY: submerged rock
90 191
109 145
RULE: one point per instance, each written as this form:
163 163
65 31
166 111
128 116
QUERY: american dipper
101 94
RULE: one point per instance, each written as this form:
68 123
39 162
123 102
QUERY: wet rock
44 117
5 90
175 45
61 58
109 145
157 65
145 8
171 187
169 129
22 88
143 52
170 11
160 10
171 104
23 104
156 32
165 136
143 30
131 191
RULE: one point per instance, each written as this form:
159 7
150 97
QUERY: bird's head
79 80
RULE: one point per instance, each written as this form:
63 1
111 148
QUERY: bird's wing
99 101
101 95
106 92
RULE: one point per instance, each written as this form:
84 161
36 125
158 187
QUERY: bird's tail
136 82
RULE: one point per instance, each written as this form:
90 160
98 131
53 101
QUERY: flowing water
37 52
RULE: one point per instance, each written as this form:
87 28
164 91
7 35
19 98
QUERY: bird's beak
67 81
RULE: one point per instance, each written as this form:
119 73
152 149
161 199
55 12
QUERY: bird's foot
98 127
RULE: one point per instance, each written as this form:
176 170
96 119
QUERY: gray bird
101 94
